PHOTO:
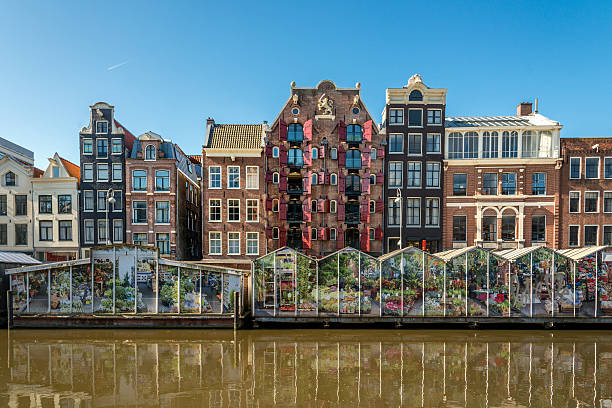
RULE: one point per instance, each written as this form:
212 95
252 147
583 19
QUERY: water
306 368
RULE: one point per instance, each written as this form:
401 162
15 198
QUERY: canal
306 368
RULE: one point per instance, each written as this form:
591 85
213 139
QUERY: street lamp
110 198
398 199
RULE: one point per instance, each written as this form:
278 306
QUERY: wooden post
236 312
9 308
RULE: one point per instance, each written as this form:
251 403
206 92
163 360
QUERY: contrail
116 66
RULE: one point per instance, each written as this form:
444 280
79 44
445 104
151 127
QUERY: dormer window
150 152
415 95
101 126
9 179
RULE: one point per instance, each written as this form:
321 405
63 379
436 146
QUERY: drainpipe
176 219
33 218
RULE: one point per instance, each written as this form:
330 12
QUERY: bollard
236 310
9 308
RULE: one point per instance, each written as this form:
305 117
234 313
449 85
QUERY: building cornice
209 152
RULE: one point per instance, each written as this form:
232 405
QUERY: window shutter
320 205
365 157
306 238
380 205
308 130
326 178
378 234
341 182
268 204
380 178
340 209
306 180
341 157
365 240
269 233
367 131
365 184
268 176
341 131
282 156
269 151
365 211
321 177
306 210
321 152
282 130
326 206
380 152
282 237
283 209
282 184
340 238
308 156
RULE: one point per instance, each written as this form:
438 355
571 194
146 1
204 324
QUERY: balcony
294 188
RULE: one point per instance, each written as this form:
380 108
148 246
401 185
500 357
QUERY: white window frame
113 171
439 213
154 156
275 178
228 209
275 152
439 135
256 208
93 194
210 178
598 202
434 124
146 212
220 242
333 179
113 140
603 233
569 201
210 200
401 138
403 116
251 239
256 187
98 172
603 202
604 167
545 225
117 241
584 232
598 168
372 234
155 219
228 243
277 230
404 205
277 205
90 140
408 117
92 172
420 153
372 208
406 172
93 240
401 184
228 177
579 168
439 175
333 153
314 153
569 233
313 237
101 121
333 234
333 206
106 231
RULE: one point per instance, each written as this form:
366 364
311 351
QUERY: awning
17 258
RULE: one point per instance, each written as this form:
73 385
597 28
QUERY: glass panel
264 286
413 283
168 289
328 285
103 281
370 285
434 286
231 285
349 282
211 292
499 304
125 285
306 286
285 270
190 290
477 282
542 281
391 294
586 272
37 286
18 288
146 280
60 290
604 284
520 287
455 287
564 299
81 289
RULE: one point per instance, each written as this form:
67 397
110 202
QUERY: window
608 167
45 204
530 144
413 178
333 206
509 144
102 172
433 143
9 179
459 228
118 205
573 235
372 206
413 209
3 234
396 143
275 178
162 242
313 234
432 212
275 152
87 172
433 175
415 117
87 146
489 228
3 204
21 234
460 184
333 153
470 145
214 210
65 230
275 233
295 132
314 153
21 205
252 210
373 153
434 116
140 212
353 159
508 183
354 134
101 126
102 200
372 179
395 174
295 158
252 175
88 201
117 172
415 95
574 199
538 228
489 184
162 180
233 243
574 167
252 243
538 183
140 238
591 168
371 234
314 178
607 197
89 231
455 145
332 234
394 211
275 205
490 142
214 177
45 230
116 146
102 148
591 202
508 227
607 235
333 179
162 212
415 144
590 235
150 152
233 210
396 116
313 206
214 243
102 231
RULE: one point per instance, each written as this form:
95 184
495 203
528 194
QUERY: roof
499 121
36 172
129 138
451 254
166 147
230 136
402 250
195 158
347 250
285 249
16 148
577 254
71 168
18 258
514 254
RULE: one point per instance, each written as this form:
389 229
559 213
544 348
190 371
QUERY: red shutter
320 233
339 238
340 209
283 156
268 176
326 206
283 208
341 182
269 233
306 238
365 184
282 130
326 180
282 185
367 131
268 204
321 152
321 177
380 205
320 205
380 178
380 152
282 237
306 180
378 233
365 211
342 132
306 210
341 157
365 157
365 240
269 151
308 156
326 234
308 130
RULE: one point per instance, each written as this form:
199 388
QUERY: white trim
466 228
92 145
335 206
403 140
277 206
316 233
439 143
570 202
277 175
569 234
603 202
228 177
220 243
220 178
584 232
256 178
220 208
401 184
113 171
277 232
597 211
408 117
277 150
403 117
228 242
420 145
598 168
499 203
439 212
603 233
256 207
101 121
404 204
434 124
155 215
228 209
247 242
604 167
121 145
439 174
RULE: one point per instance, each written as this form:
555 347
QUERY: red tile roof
71 168
129 137
195 158
36 172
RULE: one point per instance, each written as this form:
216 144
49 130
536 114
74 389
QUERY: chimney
523 109
210 121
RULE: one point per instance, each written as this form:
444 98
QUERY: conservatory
123 279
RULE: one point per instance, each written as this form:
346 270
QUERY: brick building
413 123
501 180
233 189
163 198
324 173
586 192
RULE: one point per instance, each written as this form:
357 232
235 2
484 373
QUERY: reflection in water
306 368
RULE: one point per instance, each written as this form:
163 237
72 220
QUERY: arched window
295 158
415 95
333 179
313 206
372 206
530 144
315 153
352 184
545 144
275 152
372 179
333 153
275 205
373 153
455 145
275 178
295 133
333 206
353 159
354 134
313 233
274 232
313 179
9 179
150 152
470 145
509 144
490 144
332 234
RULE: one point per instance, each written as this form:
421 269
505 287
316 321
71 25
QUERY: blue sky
176 63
